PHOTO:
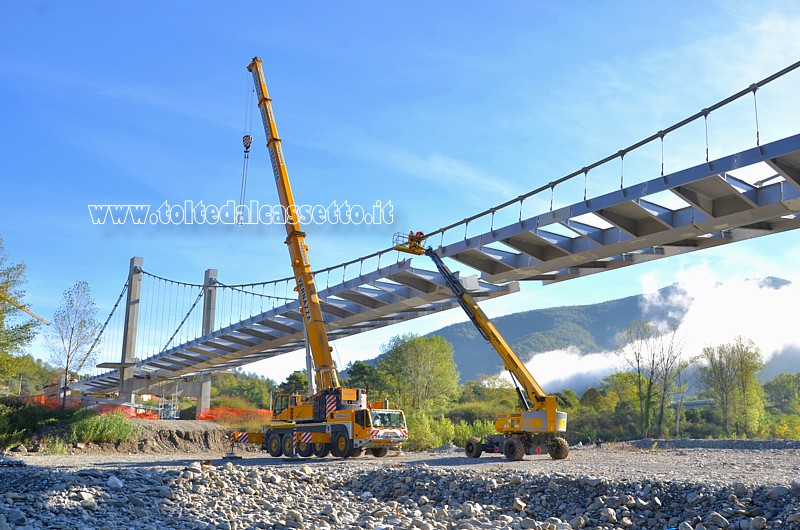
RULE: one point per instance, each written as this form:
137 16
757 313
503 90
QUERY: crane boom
295 239
25 309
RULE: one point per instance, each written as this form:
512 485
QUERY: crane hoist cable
247 140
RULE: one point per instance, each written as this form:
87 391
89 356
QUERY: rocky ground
615 487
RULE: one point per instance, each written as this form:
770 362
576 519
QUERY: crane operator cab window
362 418
388 419
281 403
284 401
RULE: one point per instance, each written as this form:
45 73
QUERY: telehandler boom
531 430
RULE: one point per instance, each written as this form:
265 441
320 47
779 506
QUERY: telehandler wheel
274 445
379 452
473 447
557 448
321 450
514 450
304 449
341 444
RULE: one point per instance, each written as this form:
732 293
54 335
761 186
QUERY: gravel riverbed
618 487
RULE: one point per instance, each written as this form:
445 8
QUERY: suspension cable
196 300
103 328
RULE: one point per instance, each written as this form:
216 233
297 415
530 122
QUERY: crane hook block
247 140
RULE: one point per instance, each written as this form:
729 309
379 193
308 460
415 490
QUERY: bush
472 412
421 436
464 430
20 421
232 402
444 430
101 428
53 446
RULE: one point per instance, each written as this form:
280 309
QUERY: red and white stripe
374 433
330 403
238 437
305 437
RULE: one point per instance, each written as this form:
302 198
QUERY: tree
74 329
363 375
419 371
653 355
783 392
590 397
296 383
639 353
728 375
682 376
14 335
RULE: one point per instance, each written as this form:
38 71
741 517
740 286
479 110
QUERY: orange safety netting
229 414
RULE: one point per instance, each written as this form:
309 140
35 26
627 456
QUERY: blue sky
445 109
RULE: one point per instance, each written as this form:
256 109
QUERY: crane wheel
473 448
305 449
514 449
557 448
379 452
288 445
274 445
356 452
341 444
321 450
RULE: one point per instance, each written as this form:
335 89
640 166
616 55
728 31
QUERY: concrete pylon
209 310
132 305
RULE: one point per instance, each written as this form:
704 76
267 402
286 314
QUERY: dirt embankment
169 436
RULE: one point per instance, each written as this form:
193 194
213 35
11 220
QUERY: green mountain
587 328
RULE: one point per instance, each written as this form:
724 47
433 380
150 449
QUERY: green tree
296 383
363 375
74 329
783 392
590 397
419 371
729 376
15 334
568 399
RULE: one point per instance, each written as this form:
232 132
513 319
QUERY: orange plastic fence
75 402
231 414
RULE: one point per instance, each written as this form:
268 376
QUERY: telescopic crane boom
335 419
296 240
25 309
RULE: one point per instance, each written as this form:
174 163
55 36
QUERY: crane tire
305 449
514 449
473 447
379 452
356 452
287 445
275 445
341 444
557 448
321 450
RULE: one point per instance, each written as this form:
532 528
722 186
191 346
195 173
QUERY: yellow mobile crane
534 428
335 419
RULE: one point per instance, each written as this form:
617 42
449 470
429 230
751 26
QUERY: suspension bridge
164 336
